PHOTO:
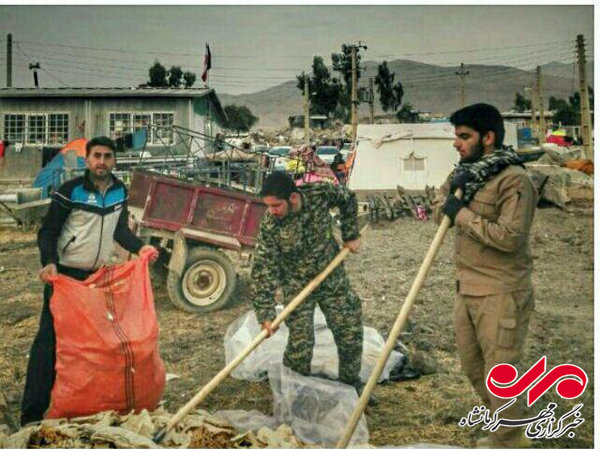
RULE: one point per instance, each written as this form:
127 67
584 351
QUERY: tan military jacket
492 234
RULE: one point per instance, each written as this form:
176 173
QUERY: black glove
460 180
451 207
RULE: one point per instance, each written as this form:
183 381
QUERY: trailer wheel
206 284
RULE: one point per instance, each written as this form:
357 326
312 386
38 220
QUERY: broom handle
398 325
160 434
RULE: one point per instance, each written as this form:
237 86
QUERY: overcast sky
255 47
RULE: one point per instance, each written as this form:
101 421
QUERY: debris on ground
198 429
560 185
242 331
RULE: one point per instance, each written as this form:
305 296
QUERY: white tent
405 154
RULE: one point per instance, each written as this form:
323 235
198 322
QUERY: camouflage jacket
291 251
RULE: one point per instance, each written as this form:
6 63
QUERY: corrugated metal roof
12 92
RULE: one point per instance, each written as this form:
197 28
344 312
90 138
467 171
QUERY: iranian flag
206 64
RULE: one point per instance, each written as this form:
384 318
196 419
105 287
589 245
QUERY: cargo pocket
507 328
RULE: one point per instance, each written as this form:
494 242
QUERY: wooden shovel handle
396 329
312 285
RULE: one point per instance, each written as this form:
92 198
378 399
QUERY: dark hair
279 185
100 141
482 118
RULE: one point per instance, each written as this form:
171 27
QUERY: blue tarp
524 133
139 139
51 174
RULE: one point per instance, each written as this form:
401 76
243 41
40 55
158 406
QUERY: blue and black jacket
82 225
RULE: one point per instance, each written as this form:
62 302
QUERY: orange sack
106 343
584 165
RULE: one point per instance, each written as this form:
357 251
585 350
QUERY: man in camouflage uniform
493 263
295 244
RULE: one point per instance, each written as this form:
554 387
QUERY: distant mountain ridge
427 87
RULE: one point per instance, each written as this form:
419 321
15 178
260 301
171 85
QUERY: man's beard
476 154
102 178
289 211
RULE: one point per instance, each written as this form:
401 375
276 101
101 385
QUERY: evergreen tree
406 114
522 104
158 75
384 82
189 78
175 76
239 118
323 90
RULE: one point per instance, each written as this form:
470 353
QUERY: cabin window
163 134
14 127
161 123
119 125
141 121
36 129
58 128
413 163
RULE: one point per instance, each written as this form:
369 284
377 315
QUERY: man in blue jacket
87 215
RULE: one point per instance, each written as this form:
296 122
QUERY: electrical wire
41 69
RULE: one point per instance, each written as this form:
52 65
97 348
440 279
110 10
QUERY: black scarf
485 168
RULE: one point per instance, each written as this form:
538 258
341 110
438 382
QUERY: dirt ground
422 410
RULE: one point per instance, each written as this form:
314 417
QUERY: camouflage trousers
491 330
342 310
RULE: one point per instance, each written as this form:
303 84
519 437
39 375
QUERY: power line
139 79
120 50
145 63
475 50
125 72
274 78
504 60
42 69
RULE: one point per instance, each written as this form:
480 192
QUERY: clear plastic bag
325 358
245 421
316 409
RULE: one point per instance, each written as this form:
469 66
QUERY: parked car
279 157
260 148
327 154
346 150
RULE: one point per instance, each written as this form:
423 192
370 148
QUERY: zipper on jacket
101 232
68 243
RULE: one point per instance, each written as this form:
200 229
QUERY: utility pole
542 120
372 100
586 122
532 97
354 96
9 60
35 68
306 113
462 73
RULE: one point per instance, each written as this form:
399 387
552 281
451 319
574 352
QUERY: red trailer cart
196 224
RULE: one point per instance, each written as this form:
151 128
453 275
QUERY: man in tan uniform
493 263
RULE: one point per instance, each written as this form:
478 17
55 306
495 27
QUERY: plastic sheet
245 421
316 409
325 359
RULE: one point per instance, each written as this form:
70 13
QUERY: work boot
373 401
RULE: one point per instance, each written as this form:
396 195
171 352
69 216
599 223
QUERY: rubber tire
195 255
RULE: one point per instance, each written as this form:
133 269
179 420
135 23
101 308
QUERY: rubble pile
557 183
199 429
295 136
